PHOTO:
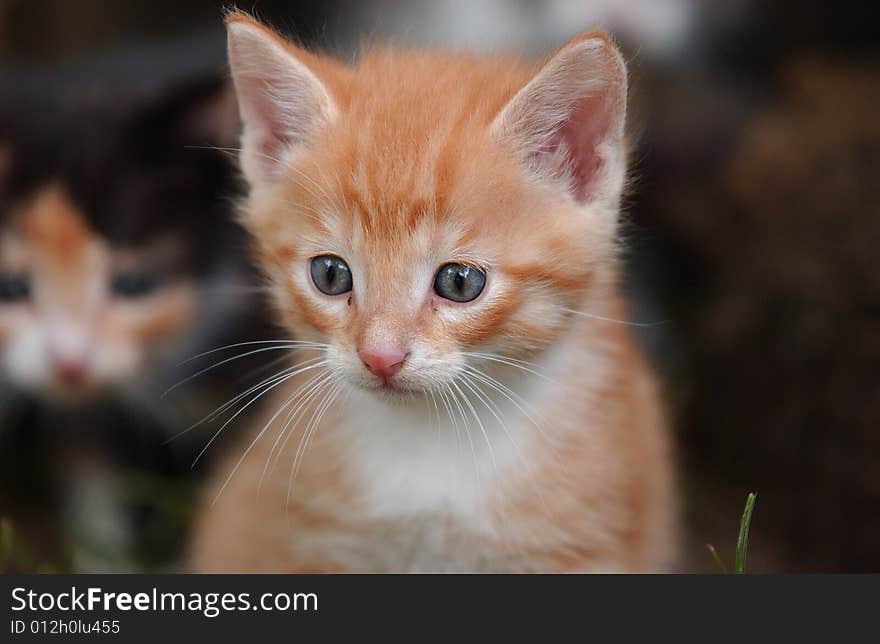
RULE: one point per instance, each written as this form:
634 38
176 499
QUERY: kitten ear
568 121
194 111
280 100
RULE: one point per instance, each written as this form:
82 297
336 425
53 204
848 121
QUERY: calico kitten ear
568 121
280 100
190 112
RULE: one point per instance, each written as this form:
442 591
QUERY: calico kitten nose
70 371
383 363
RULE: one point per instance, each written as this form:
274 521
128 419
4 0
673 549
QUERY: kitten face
422 208
395 246
107 273
76 315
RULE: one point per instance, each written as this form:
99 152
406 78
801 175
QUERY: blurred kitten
117 262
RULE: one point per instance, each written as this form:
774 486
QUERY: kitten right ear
568 122
280 100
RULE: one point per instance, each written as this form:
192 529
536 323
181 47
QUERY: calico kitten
439 231
107 282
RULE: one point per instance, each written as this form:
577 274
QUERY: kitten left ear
281 101
568 121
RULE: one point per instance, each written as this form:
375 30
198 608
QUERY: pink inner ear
270 146
577 141
277 118
272 135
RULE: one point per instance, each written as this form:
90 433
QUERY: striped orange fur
521 431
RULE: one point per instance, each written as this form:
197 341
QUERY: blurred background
753 228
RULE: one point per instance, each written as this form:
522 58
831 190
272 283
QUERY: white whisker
600 318
464 423
445 400
252 401
291 343
231 359
309 391
504 390
265 367
225 406
250 447
479 424
512 362
471 384
311 428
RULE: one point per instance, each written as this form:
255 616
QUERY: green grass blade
742 543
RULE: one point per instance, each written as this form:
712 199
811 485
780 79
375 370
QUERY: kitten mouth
390 388
74 393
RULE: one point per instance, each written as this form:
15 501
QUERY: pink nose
70 371
383 363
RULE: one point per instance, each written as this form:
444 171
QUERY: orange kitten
441 230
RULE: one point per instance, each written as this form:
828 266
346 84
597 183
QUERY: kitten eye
14 287
459 283
134 284
331 275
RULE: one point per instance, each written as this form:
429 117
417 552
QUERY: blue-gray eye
459 283
331 275
14 287
134 284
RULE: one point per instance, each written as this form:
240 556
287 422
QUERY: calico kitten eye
14 287
134 284
331 275
459 282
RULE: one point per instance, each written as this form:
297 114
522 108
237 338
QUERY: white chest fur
454 459
418 460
